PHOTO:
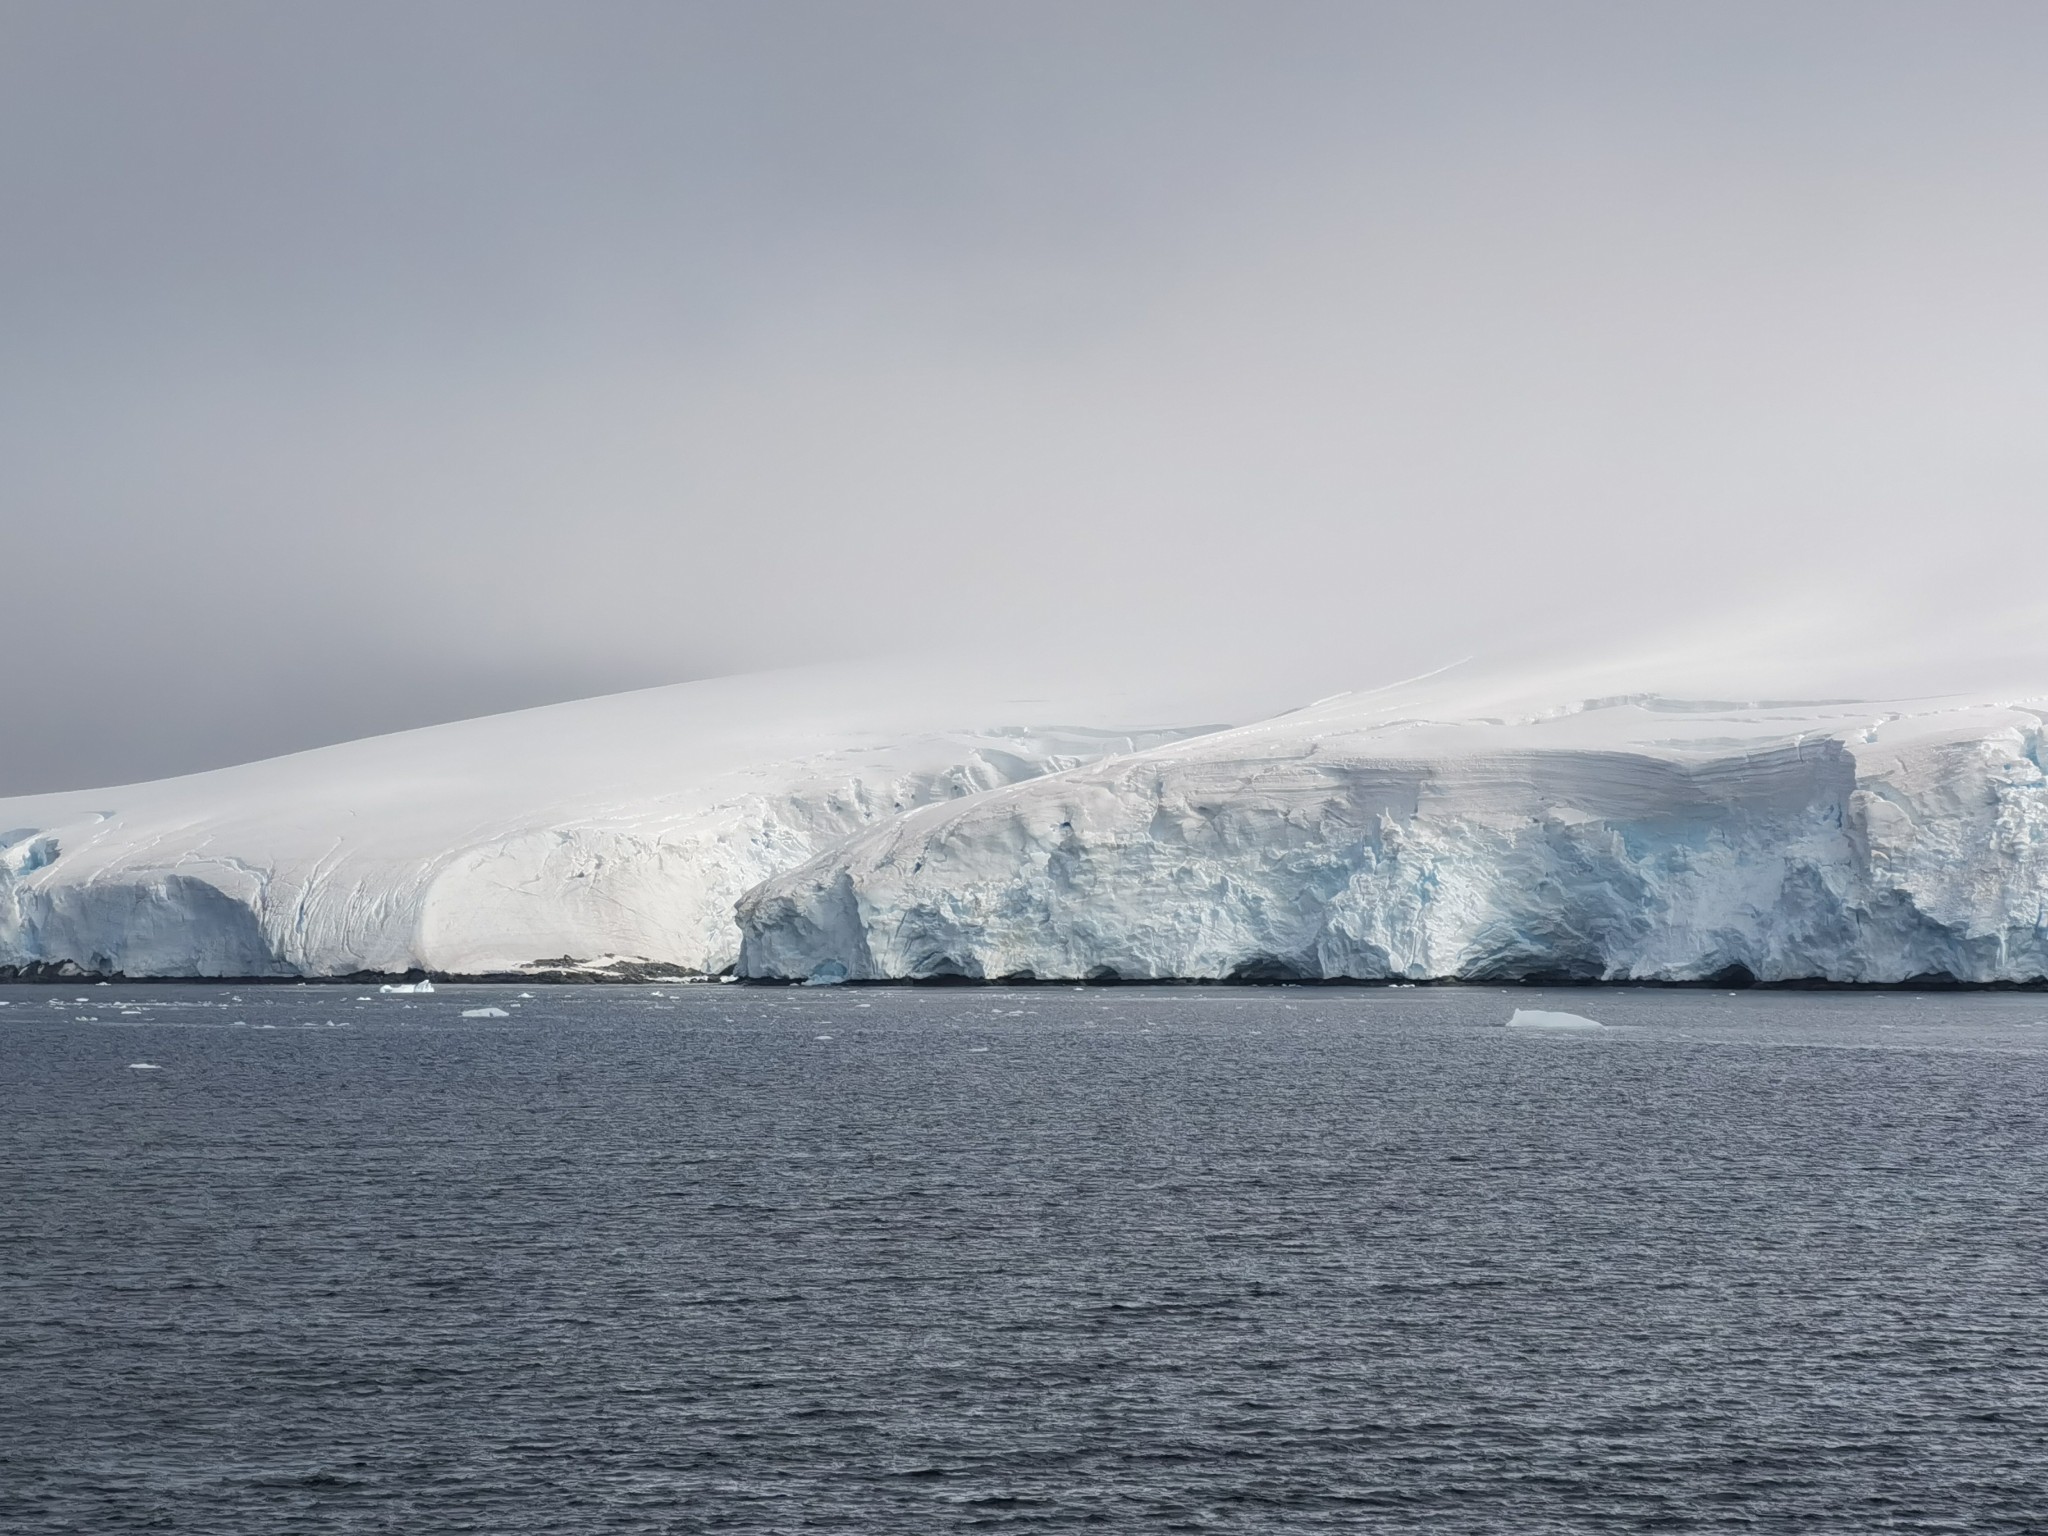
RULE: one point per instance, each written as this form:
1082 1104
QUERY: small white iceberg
407 986
144 1066
1544 1018
485 1013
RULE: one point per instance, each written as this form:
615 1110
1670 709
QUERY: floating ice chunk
407 986
485 1013
1544 1018
821 1037
144 1066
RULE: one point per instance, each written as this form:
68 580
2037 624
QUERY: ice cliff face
884 826
1624 838
616 829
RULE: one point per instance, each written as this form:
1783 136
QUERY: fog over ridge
378 365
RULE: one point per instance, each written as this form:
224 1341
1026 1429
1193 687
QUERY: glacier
609 836
1629 838
904 823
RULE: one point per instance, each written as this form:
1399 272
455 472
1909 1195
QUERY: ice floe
1545 1018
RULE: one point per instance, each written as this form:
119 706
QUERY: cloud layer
377 364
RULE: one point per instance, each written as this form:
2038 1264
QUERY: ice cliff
884 825
613 830
1630 838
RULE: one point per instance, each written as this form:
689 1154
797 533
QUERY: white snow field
1435 831
872 823
617 829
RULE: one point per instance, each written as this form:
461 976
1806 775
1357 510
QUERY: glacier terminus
854 826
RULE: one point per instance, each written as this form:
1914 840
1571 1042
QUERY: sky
369 365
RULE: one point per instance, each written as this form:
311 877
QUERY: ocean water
726 1259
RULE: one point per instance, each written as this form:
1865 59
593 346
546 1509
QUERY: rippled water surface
723 1259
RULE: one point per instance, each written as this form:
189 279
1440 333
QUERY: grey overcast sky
364 364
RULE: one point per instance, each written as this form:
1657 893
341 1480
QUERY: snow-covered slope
619 827
1445 832
878 822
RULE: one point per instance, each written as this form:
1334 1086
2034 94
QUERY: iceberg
1547 1018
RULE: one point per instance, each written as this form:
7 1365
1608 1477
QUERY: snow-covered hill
1418 835
884 823
612 829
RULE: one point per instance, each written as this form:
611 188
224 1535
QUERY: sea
724 1258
